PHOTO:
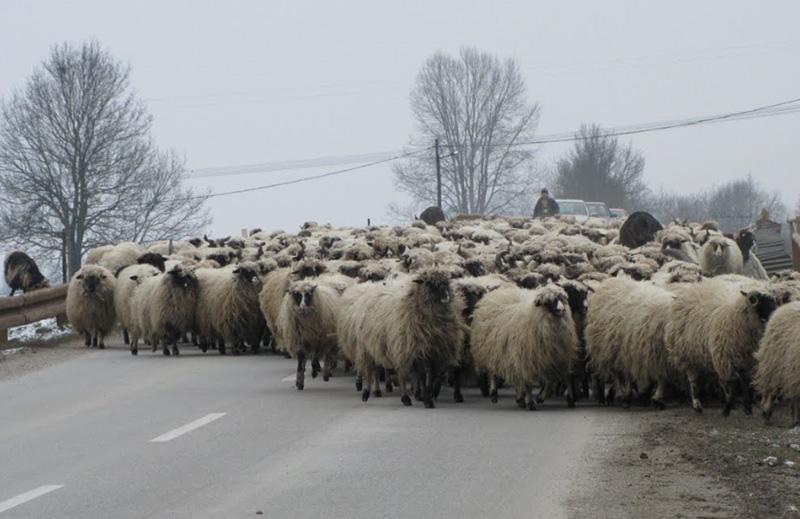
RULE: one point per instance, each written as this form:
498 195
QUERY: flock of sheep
600 308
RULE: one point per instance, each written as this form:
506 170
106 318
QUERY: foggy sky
232 83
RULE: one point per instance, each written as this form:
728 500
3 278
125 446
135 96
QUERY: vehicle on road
618 213
598 210
574 208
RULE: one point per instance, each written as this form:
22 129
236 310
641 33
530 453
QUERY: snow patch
38 331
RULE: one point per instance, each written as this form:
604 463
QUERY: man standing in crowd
545 206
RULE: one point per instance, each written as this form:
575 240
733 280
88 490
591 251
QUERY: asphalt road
235 438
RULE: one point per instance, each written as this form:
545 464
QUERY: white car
574 208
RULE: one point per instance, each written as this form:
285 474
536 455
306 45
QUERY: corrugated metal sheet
772 250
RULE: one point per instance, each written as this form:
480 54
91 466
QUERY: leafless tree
77 165
599 168
476 105
735 205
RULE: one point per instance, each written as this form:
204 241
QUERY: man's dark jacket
545 207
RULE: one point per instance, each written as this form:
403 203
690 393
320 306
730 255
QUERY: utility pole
438 175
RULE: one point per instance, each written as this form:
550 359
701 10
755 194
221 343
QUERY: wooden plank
3 336
32 314
31 298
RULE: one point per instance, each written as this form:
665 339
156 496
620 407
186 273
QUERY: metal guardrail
31 307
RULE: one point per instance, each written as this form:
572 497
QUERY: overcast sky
232 83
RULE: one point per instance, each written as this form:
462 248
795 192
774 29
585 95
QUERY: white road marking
14 502
189 427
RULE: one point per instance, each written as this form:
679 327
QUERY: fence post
3 337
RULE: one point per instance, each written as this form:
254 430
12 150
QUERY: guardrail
31 307
795 242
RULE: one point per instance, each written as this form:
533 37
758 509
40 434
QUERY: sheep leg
347 365
175 350
627 393
436 387
165 348
493 388
693 392
544 392
457 396
767 406
315 367
326 369
570 393
101 339
221 346
135 344
389 382
658 395
483 384
368 369
427 392
531 403
125 337
600 390
795 412
405 393
203 343
94 339
87 339
194 340
728 390
359 381
300 378
376 383
747 392
521 393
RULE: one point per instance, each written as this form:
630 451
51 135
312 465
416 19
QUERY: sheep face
434 286
182 277
303 295
475 268
577 296
91 280
761 303
554 299
309 268
196 242
719 248
247 275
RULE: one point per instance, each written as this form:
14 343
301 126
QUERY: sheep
720 255
22 273
228 307
578 298
90 303
714 328
778 370
163 308
751 267
308 320
128 280
677 243
625 337
432 215
525 337
270 299
639 228
120 256
412 325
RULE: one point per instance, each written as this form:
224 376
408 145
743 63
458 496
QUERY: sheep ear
134 278
79 276
417 281
236 270
743 293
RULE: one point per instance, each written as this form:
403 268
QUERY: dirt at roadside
24 357
677 464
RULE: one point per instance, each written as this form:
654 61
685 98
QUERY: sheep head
247 273
577 295
302 294
761 303
91 277
154 259
182 277
433 286
552 298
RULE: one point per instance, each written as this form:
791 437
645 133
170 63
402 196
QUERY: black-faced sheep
22 273
751 267
412 325
778 370
163 309
90 303
525 337
714 328
307 319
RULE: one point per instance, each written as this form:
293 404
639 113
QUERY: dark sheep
638 229
152 258
22 273
432 215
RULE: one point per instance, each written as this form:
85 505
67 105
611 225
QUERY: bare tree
476 105
735 205
599 168
77 165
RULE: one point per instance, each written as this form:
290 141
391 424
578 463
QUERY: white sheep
90 303
778 370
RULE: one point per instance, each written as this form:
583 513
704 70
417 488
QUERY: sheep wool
778 371
90 303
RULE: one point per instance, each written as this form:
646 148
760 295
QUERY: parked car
575 208
616 212
598 209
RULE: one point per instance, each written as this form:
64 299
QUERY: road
236 439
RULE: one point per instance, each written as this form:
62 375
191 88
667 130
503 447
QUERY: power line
309 178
